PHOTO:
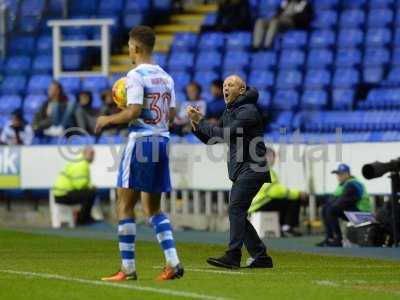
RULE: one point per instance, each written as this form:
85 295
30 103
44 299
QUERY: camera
378 169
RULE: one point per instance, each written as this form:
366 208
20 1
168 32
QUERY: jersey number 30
159 106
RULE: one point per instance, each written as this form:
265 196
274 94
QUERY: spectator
193 93
216 105
293 14
85 115
55 113
350 195
73 185
109 108
231 15
275 196
17 131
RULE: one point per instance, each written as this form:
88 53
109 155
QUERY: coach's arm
125 116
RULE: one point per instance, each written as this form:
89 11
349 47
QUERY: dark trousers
241 230
331 213
289 211
84 197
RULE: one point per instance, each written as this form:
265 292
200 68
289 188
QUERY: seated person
73 186
275 196
216 105
85 114
17 131
350 195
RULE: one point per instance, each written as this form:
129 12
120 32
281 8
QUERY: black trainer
225 261
261 262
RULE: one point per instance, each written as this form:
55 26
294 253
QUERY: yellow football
119 92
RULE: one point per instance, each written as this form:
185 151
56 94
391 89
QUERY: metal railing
59 43
3 29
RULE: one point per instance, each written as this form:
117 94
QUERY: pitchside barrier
199 173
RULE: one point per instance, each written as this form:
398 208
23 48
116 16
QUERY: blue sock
126 236
163 230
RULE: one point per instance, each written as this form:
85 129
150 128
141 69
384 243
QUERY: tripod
395 181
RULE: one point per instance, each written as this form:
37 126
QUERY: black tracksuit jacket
241 126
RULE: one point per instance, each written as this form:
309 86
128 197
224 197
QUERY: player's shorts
144 165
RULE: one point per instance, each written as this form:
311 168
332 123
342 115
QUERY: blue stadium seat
291 58
19 64
325 4
352 18
285 100
238 40
22 45
113 7
380 3
317 78
319 58
33 102
132 20
240 73
348 57
377 37
349 38
264 100
9 103
394 76
44 44
353 3
162 5
42 64
138 6
204 78
294 39
325 19
284 120
314 99
95 84
71 84
212 40
345 78
13 83
269 4
261 79
322 38
263 60
342 99
373 75
236 60
39 83
79 7
376 57
55 8
380 17
289 79
181 79
160 59
71 62
180 61
208 60
32 8
29 24
210 19
396 57
184 41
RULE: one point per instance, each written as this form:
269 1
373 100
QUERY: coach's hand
194 114
101 122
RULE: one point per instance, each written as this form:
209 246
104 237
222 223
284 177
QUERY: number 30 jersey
150 86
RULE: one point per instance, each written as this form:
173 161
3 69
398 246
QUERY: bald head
234 86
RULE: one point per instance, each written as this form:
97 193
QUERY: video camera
378 169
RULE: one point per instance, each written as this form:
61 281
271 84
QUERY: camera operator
350 195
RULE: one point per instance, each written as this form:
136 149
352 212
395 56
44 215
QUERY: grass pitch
56 268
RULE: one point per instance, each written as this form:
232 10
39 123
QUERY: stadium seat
44 44
377 37
181 78
138 6
184 41
70 84
19 64
376 57
211 41
238 40
380 3
29 24
396 57
291 58
160 59
319 58
208 60
394 76
236 60
22 45
33 102
325 4
322 38
294 39
263 60
283 120
353 3
261 79
9 103
380 17
289 79
352 18
264 100
314 99
345 78
241 73
32 8
113 7
373 75
132 20
43 64
162 5
204 78
210 19
350 38
285 100
317 78
179 61
348 57
79 7
39 83
325 19
95 84
14 83
71 62
342 99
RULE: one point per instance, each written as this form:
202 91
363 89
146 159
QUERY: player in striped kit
144 168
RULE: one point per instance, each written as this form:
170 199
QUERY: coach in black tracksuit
241 126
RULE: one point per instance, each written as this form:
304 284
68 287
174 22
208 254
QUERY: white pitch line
117 285
213 271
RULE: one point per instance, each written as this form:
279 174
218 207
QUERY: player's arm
125 116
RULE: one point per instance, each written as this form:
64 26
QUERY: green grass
296 275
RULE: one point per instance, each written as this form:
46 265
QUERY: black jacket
241 126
